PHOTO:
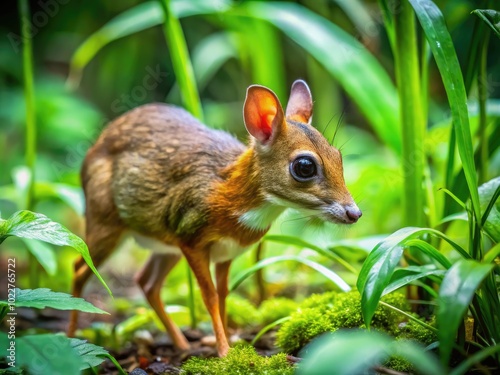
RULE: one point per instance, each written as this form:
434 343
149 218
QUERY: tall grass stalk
184 73
30 137
482 90
411 112
183 69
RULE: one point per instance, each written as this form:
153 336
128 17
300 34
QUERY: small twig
388 371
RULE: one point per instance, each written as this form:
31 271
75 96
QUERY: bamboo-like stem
482 90
30 136
29 96
181 62
411 112
184 73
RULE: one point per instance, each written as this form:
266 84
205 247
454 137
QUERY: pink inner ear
266 121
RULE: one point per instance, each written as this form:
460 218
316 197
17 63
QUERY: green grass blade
455 294
430 251
181 62
332 276
491 18
405 276
478 357
438 36
411 112
359 73
298 242
269 327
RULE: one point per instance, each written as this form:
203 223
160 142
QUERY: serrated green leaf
43 297
32 225
455 294
491 18
91 355
45 354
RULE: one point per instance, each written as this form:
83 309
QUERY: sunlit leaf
31 225
455 294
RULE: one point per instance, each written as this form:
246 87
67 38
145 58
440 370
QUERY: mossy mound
276 308
242 359
331 311
241 312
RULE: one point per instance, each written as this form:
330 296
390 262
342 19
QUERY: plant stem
181 62
30 137
412 120
482 89
184 73
29 95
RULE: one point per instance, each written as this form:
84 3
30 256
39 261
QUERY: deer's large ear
300 105
263 114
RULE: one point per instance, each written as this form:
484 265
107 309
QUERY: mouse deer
183 189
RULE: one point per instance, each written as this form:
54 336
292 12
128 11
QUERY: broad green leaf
490 206
298 242
246 273
31 225
45 354
434 26
404 276
210 54
491 18
344 352
91 355
455 294
43 297
140 17
358 352
377 270
44 254
346 59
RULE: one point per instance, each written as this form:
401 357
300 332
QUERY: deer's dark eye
303 168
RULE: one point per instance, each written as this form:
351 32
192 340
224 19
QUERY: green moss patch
241 360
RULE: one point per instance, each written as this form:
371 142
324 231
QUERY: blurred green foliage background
229 52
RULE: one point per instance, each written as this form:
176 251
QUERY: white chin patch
262 217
